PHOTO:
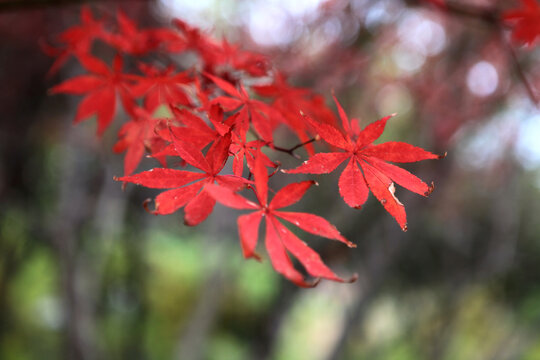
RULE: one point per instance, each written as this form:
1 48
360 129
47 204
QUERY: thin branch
521 74
291 150
482 13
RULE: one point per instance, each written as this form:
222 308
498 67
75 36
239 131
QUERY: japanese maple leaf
77 40
137 135
195 39
377 174
260 114
188 188
279 239
252 63
134 41
192 130
526 22
100 87
289 101
247 149
162 87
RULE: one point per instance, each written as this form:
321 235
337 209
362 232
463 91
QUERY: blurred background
86 273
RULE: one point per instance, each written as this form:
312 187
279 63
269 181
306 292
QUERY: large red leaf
160 178
199 208
278 256
383 189
398 152
229 198
321 163
308 257
313 224
290 194
352 185
169 201
248 229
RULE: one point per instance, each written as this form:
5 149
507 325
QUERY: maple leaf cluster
525 22
216 117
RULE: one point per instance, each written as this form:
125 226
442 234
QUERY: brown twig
519 70
483 13
291 150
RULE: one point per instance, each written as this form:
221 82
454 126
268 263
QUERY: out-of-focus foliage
85 273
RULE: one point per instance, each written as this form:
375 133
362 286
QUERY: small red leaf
372 132
169 201
290 194
261 179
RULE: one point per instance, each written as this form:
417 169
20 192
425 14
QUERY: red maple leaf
137 135
189 187
193 130
100 88
162 87
77 40
279 239
252 63
263 117
525 21
377 174
194 39
247 149
131 40
290 100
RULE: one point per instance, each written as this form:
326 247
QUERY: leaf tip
314 283
254 255
443 155
404 228
430 189
352 279
147 209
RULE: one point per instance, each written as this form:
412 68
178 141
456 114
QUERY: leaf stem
291 150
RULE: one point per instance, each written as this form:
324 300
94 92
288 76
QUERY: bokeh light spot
482 79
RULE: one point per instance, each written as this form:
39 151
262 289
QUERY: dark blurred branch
74 208
520 73
194 336
491 16
482 13
21 5
378 264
